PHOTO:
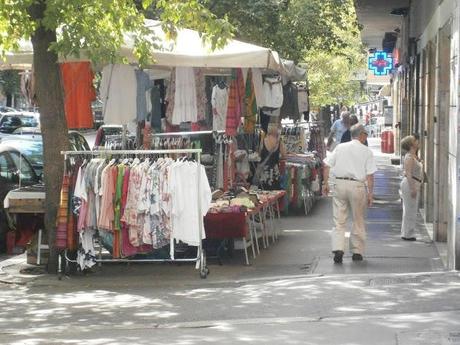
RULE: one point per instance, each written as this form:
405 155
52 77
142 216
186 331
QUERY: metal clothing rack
200 259
173 134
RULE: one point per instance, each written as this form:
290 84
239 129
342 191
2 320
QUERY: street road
361 309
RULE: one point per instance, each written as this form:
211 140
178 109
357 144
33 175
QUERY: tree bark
53 123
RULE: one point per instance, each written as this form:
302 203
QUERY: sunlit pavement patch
429 337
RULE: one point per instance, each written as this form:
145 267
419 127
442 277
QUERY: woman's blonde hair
407 142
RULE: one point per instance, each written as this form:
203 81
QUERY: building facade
425 94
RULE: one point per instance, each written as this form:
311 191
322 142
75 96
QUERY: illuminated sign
381 63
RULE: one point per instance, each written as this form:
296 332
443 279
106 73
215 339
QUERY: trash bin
387 141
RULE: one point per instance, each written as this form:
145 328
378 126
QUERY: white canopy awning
188 50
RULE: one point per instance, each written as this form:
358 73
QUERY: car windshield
19 121
29 121
32 149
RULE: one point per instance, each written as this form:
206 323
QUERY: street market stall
189 99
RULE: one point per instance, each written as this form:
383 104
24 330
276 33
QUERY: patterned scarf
250 118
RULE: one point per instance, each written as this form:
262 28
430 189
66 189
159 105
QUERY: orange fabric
77 78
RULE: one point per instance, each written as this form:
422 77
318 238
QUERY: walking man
338 128
353 166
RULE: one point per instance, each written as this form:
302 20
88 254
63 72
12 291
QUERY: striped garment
235 105
63 215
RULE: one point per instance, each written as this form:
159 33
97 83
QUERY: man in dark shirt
346 137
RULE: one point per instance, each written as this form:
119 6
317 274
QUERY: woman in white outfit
410 187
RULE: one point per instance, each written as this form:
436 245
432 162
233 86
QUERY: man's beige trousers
349 195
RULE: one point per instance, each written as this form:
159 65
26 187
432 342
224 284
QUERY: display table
26 206
29 199
250 223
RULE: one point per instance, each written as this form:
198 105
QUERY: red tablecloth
225 225
234 225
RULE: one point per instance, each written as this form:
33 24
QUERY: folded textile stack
299 158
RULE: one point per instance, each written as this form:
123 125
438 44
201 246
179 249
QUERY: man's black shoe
357 257
338 256
409 238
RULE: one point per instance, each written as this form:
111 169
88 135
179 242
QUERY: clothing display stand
172 134
304 137
200 258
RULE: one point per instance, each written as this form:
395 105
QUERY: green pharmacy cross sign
381 63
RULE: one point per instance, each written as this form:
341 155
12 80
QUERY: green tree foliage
322 33
291 27
96 29
330 79
331 72
10 82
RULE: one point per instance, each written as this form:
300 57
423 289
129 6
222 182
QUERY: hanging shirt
257 80
273 92
185 99
155 114
290 108
303 99
183 186
108 190
219 102
77 79
144 84
119 94
201 99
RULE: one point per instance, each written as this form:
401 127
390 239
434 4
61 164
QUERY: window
29 121
11 121
27 172
4 168
78 142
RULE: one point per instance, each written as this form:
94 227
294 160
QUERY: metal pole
172 134
39 245
127 152
123 137
200 217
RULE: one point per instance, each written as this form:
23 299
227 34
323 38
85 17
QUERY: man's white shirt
352 160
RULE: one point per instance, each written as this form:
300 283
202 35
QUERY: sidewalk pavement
292 293
302 250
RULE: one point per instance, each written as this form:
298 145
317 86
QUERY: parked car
21 159
9 122
31 145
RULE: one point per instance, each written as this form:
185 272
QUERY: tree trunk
53 123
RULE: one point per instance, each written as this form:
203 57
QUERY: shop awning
188 50
292 72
